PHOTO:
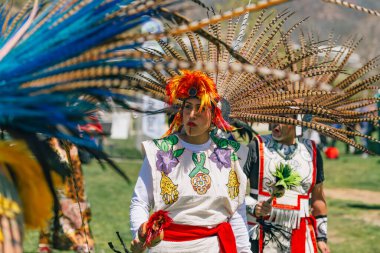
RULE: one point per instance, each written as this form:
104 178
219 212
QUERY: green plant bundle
286 176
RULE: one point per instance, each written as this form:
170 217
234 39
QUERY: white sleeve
142 199
239 225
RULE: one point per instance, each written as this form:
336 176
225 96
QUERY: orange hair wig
179 87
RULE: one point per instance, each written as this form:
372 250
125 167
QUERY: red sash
298 239
181 233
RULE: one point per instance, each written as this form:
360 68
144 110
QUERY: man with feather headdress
282 222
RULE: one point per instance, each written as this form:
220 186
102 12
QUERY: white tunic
209 206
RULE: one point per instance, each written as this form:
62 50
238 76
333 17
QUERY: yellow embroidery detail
169 190
233 184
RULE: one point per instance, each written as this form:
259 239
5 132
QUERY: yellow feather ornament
35 195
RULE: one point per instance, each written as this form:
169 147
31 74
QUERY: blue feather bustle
60 34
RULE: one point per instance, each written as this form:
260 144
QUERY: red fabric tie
298 240
181 233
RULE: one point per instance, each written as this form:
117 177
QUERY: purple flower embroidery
222 158
166 161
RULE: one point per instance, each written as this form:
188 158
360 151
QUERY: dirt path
370 217
369 197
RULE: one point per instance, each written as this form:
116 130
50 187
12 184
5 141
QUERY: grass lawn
353 171
351 228
350 231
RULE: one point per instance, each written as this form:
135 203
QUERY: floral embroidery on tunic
224 156
200 180
167 160
221 157
169 190
233 184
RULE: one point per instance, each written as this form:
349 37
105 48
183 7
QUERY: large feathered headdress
261 75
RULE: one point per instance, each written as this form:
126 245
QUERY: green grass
351 228
348 229
110 196
353 171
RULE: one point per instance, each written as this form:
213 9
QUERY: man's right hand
263 209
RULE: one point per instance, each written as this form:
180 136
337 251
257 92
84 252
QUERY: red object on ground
332 153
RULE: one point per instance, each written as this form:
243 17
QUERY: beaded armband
321 229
